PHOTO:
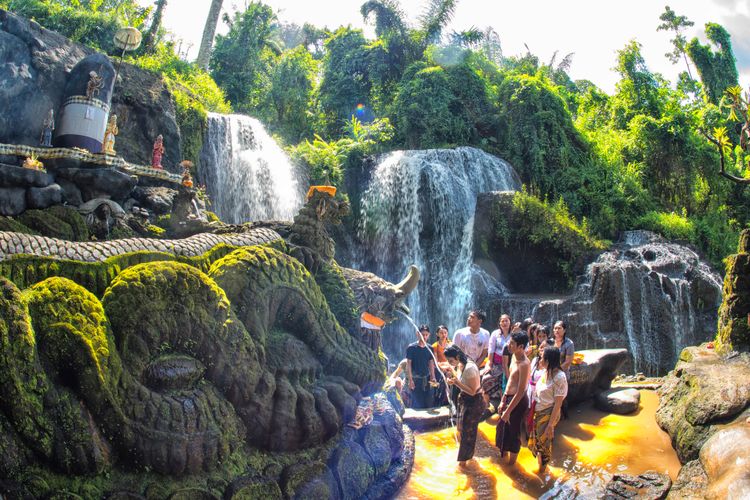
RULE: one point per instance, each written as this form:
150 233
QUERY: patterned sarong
470 409
538 444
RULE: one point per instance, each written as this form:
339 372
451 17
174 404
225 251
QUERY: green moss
339 296
73 218
733 331
525 225
191 119
12 225
25 270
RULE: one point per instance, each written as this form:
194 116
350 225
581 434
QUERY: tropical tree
243 59
672 22
717 68
149 41
292 84
209 30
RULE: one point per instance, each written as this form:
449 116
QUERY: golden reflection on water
589 447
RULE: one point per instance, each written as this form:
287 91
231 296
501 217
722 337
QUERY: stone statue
157 153
49 125
187 179
108 145
95 84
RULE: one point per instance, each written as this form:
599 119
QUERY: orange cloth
440 351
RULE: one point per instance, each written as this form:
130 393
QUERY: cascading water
247 175
418 209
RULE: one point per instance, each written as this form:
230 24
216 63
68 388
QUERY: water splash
419 209
248 176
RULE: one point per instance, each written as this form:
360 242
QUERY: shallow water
588 448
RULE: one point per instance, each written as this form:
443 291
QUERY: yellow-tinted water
589 447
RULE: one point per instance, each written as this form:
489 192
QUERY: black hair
520 338
543 329
453 351
552 356
480 314
423 328
525 324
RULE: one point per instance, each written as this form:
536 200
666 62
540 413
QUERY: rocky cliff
34 66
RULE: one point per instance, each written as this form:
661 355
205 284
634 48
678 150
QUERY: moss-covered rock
64 223
734 313
12 225
534 246
703 392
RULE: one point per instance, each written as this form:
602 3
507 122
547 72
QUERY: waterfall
418 209
247 175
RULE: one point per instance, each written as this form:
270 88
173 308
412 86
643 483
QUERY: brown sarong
470 409
508 434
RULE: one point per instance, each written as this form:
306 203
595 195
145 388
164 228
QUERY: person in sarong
470 401
514 403
549 393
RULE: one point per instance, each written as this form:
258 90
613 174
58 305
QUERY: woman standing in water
549 393
567 351
443 342
470 402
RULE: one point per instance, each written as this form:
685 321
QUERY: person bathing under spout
514 403
470 401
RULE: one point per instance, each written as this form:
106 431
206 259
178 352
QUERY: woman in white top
470 402
549 393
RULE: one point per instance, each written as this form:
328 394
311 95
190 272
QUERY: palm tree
437 15
209 30
388 16
150 38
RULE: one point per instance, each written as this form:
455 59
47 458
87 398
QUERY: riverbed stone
650 485
620 401
352 469
704 391
690 484
595 373
726 459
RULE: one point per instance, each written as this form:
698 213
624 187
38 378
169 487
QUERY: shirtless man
515 402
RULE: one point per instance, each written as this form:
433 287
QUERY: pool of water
589 447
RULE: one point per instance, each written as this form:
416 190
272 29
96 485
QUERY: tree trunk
153 31
204 54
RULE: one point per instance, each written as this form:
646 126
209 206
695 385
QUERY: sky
594 30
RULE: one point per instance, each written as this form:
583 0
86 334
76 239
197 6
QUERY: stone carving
48 126
108 146
94 85
157 152
179 371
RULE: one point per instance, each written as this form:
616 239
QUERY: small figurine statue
108 146
95 84
187 179
157 152
49 125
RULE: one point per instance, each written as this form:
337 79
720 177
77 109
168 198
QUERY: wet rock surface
646 294
621 401
647 486
595 373
703 392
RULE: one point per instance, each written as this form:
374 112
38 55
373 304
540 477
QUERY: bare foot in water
467 464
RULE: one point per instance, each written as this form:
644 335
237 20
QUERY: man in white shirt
473 339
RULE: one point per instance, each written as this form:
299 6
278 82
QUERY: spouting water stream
434 360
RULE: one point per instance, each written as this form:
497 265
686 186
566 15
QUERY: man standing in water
473 340
419 367
514 403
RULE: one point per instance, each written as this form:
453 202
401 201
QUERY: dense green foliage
638 158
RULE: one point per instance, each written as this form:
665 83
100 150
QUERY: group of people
519 371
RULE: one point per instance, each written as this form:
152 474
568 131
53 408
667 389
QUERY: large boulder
726 459
595 373
33 76
100 182
703 392
650 485
620 401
